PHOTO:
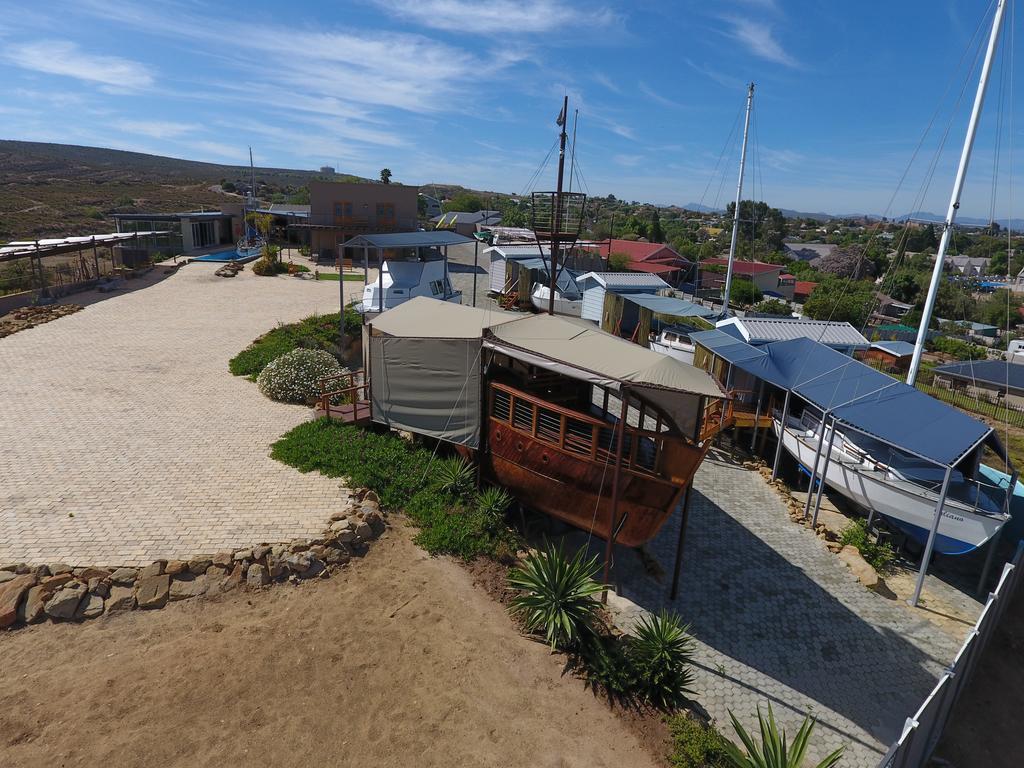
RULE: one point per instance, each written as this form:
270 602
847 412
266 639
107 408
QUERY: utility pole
557 213
739 195
954 200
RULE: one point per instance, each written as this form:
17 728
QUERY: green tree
840 299
953 302
512 214
744 292
761 224
463 202
385 175
654 231
618 262
1000 309
903 285
772 307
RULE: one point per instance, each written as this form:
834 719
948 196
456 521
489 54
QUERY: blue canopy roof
861 397
667 305
420 239
996 374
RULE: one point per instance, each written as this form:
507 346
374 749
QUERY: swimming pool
225 257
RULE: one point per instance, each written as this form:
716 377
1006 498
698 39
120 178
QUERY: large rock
155 569
58 568
174 567
199 565
256 576
90 607
6 576
124 577
304 564
861 568
31 609
224 559
183 589
152 591
88 574
11 593
121 599
65 601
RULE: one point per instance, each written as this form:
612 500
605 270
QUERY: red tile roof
804 287
639 251
745 267
655 269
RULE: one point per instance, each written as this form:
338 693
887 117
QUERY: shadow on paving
748 602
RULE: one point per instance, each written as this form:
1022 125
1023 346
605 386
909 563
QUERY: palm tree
385 176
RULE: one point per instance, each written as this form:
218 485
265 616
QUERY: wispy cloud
157 129
655 96
63 57
607 82
505 17
721 78
759 39
628 160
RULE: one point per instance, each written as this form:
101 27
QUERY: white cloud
63 57
628 160
653 95
728 81
760 40
607 82
504 17
157 129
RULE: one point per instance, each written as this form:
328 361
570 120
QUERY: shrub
316 332
456 476
744 292
294 377
493 502
398 473
772 307
662 652
618 262
264 267
879 555
773 751
606 667
556 595
696 744
304 251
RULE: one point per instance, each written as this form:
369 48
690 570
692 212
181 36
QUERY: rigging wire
721 156
529 186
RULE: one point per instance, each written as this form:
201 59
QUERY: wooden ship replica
574 422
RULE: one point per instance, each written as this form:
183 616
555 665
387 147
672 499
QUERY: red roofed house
802 290
654 258
767 277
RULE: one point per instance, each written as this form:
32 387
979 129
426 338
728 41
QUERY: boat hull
683 354
960 529
578 490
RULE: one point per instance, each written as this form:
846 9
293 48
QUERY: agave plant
455 475
557 595
662 652
492 502
774 752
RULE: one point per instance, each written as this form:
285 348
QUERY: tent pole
931 540
824 474
380 280
476 256
623 411
757 415
817 458
782 430
684 519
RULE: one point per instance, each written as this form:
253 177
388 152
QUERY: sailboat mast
562 120
954 199
739 195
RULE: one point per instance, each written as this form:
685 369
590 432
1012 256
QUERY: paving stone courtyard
779 619
123 438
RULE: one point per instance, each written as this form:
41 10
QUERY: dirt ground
399 660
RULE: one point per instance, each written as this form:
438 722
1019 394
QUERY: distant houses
757 331
653 258
466 222
809 252
765 276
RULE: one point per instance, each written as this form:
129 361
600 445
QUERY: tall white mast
739 195
954 200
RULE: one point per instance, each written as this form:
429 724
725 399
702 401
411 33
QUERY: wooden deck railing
575 432
349 393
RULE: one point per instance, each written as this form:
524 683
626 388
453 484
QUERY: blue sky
467 92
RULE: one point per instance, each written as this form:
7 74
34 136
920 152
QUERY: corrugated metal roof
760 330
898 348
725 346
519 249
995 374
420 239
625 280
667 305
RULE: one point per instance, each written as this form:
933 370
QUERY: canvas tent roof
667 305
865 399
607 359
427 318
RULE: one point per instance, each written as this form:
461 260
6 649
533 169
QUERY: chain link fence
922 732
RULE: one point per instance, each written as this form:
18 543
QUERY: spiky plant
492 502
773 751
455 475
556 595
662 652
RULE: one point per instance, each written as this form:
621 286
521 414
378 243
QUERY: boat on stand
251 244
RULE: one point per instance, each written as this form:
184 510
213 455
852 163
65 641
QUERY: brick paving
778 618
124 438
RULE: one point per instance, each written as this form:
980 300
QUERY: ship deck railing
578 433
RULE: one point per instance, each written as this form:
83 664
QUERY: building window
436 287
385 210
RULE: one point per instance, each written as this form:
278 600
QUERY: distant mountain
700 208
967 221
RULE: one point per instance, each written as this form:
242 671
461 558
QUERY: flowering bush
294 377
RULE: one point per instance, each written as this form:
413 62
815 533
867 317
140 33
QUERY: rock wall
30 594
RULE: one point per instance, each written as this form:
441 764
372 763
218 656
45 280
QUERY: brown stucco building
339 211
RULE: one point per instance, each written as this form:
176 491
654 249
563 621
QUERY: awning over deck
860 397
431 239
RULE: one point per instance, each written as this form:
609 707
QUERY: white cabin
404 280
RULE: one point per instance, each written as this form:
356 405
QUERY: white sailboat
952 511
566 301
251 244
674 341
400 281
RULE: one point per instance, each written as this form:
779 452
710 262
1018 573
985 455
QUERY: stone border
33 594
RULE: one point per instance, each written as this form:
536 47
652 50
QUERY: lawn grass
401 475
315 332
334 276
